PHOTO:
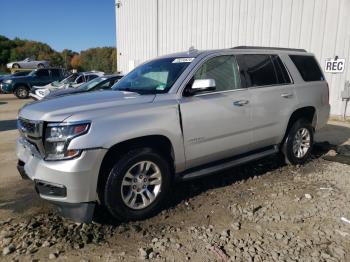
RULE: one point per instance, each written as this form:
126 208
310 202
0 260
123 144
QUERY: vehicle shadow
188 189
6 125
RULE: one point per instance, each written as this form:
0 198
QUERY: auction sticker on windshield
184 60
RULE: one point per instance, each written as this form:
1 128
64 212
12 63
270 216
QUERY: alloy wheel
301 143
141 185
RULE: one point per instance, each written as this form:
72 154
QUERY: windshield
92 84
154 77
32 73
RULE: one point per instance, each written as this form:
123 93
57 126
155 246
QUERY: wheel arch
15 86
308 112
160 143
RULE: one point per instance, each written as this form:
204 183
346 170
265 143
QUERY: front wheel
137 185
22 92
16 66
298 144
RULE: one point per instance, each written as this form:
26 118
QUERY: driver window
223 69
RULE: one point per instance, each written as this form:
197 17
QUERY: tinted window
42 73
223 69
90 77
80 79
307 67
259 70
281 71
55 73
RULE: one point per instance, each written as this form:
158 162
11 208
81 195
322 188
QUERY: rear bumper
322 116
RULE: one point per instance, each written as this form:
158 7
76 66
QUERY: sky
72 24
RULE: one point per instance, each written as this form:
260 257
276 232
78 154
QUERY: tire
22 92
41 66
16 66
298 143
125 191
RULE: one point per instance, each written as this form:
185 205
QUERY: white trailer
150 28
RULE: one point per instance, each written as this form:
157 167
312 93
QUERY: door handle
287 95
240 102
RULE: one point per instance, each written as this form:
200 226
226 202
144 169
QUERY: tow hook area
20 168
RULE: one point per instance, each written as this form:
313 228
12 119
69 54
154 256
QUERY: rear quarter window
307 67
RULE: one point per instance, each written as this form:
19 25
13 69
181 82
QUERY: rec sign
335 65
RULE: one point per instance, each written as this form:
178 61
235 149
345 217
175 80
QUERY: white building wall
149 28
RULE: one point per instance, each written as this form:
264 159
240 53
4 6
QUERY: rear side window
263 70
281 71
307 67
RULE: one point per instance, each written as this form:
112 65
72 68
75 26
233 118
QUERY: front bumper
69 184
35 96
6 88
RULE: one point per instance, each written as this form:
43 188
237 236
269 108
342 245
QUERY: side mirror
202 85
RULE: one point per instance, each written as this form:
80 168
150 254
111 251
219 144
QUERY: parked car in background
100 83
176 117
20 73
28 63
74 80
20 86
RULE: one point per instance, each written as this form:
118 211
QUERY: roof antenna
192 50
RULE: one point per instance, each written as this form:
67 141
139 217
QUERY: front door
42 77
216 125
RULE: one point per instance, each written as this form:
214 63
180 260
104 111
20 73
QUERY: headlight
58 136
8 81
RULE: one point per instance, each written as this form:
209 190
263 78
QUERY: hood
15 78
60 108
65 91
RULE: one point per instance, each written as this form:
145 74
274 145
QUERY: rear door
216 125
272 96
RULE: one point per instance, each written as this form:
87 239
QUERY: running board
229 164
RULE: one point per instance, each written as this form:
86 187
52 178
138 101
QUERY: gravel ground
263 211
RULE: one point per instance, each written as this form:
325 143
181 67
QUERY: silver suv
176 117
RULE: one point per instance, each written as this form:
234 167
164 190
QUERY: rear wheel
41 66
22 92
298 144
137 185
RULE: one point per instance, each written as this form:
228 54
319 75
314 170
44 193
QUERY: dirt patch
255 213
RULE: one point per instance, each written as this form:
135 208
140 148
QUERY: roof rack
270 48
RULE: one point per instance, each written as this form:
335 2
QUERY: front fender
113 128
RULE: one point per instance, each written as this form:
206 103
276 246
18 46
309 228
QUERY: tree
100 58
75 62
